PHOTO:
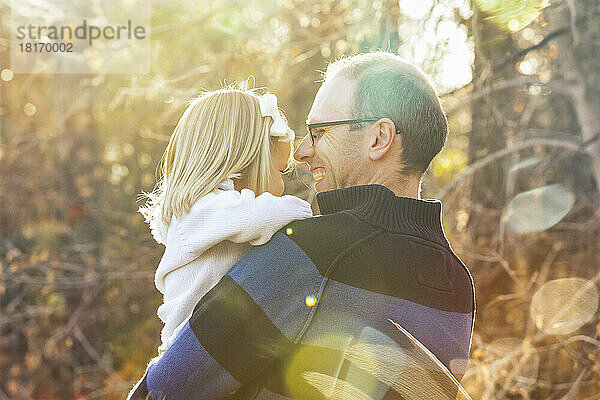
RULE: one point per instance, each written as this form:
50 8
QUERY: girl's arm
239 217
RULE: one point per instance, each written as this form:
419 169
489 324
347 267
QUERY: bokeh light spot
513 25
534 90
539 209
528 34
525 67
6 75
304 21
562 306
341 45
29 109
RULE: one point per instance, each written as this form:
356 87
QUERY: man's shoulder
310 243
341 227
325 236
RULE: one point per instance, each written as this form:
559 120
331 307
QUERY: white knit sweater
204 244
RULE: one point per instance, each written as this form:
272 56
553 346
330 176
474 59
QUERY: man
352 303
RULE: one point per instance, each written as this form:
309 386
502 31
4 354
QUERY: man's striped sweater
316 311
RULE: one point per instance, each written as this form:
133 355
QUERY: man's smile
318 173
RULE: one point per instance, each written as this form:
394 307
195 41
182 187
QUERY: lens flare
512 15
539 209
562 306
334 388
318 356
367 366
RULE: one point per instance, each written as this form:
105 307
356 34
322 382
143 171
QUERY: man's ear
381 141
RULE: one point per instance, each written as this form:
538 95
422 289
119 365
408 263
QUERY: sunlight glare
456 68
334 388
415 9
513 15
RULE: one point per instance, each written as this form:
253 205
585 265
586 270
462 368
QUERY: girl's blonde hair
221 135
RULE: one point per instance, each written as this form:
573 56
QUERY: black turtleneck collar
378 205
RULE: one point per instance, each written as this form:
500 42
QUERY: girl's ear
382 139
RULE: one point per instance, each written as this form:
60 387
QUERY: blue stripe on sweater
444 333
280 285
185 368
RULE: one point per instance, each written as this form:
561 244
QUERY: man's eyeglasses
314 137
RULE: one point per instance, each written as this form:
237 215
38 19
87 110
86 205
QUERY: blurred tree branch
525 144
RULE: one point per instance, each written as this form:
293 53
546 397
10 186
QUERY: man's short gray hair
389 86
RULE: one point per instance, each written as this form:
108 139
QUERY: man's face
335 159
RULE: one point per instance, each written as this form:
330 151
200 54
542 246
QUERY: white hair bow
268 107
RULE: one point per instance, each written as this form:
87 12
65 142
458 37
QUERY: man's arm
245 324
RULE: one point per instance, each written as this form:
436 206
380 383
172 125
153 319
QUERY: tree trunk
579 64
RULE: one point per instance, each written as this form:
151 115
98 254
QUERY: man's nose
305 151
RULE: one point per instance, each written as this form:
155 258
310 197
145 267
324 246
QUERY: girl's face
279 161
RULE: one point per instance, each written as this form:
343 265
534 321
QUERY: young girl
219 194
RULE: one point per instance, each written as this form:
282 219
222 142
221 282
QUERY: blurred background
519 179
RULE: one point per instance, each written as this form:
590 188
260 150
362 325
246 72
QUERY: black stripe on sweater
236 331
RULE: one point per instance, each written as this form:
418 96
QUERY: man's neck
406 186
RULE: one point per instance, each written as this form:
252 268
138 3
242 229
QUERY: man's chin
322 186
